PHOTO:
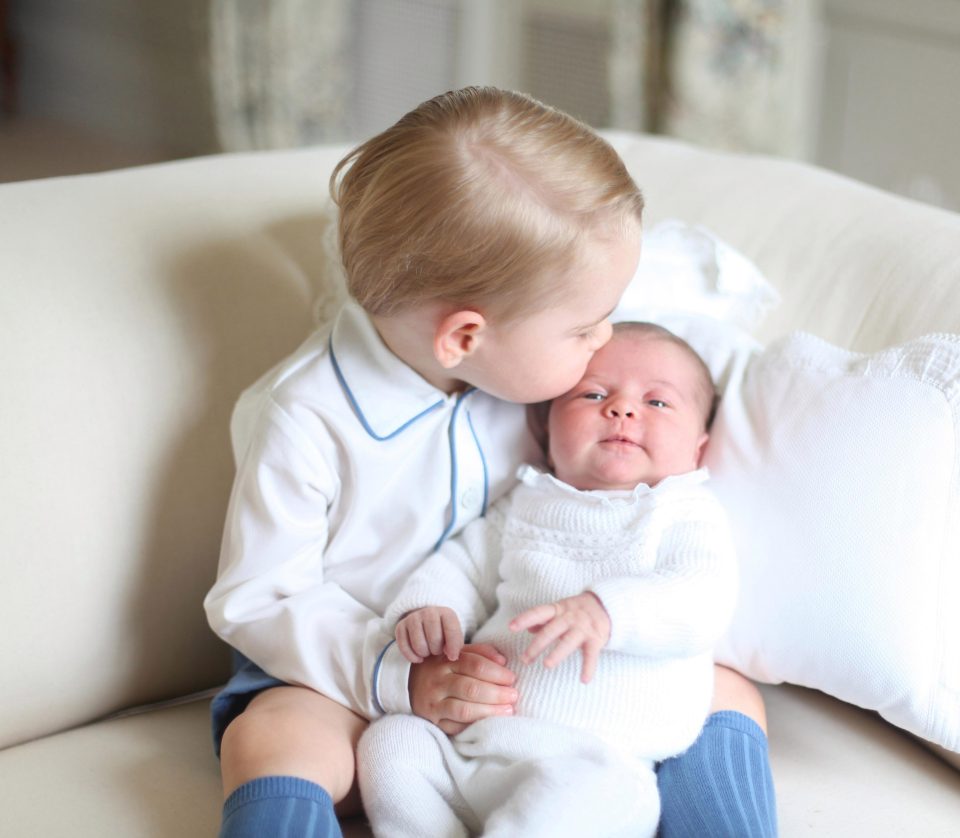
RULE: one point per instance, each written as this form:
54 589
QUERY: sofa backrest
135 306
856 266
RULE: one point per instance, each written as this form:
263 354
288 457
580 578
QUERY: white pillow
840 473
688 270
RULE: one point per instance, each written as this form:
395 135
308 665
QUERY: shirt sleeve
271 600
684 605
461 575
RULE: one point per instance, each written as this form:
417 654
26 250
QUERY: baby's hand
577 622
430 631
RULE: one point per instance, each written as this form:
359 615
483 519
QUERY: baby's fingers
452 635
536 616
590 657
405 646
569 643
433 627
547 634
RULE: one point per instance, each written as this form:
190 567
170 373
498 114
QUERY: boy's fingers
451 728
465 712
487 651
482 668
471 691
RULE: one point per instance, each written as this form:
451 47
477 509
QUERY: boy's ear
457 335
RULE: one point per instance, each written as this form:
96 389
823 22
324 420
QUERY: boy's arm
271 601
461 575
683 606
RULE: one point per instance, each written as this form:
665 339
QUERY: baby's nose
620 410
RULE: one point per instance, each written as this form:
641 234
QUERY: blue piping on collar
452 436
356 406
483 462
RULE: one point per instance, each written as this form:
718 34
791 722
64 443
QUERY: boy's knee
734 692
279 737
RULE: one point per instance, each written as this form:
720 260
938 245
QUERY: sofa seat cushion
842 771
149 774
838 770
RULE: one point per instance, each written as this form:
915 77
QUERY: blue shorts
246 683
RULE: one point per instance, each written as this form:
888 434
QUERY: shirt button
470 498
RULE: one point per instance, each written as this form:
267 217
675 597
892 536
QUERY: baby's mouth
620 440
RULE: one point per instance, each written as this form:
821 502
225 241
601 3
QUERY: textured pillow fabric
689 270
698 286
840 474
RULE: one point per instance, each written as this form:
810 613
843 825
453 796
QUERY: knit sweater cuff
621 608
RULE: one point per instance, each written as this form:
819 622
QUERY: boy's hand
577 622
430 631
454 694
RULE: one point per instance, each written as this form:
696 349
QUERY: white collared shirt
351 469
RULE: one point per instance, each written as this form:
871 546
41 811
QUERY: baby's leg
292 748
577 796
535 778
409 774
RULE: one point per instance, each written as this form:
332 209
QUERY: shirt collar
387 396
535 477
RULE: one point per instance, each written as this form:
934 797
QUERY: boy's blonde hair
477 197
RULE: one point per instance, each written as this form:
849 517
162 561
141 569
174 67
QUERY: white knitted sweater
661 561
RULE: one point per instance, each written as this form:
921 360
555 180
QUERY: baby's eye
594 397
657 403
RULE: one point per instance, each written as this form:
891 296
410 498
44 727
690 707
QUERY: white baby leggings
501 778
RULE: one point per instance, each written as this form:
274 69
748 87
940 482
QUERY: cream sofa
136 305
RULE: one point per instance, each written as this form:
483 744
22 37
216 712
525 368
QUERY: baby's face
633 418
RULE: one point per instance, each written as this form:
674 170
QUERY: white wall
133 71
890 111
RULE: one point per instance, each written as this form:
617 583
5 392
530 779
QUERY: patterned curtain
718 72
279 72
731 73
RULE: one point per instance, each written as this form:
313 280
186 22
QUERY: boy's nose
602 335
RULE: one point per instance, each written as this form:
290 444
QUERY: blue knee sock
279 807
721 786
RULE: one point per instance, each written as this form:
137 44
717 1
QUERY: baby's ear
457 336
701 448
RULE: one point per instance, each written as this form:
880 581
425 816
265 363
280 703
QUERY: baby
621 553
